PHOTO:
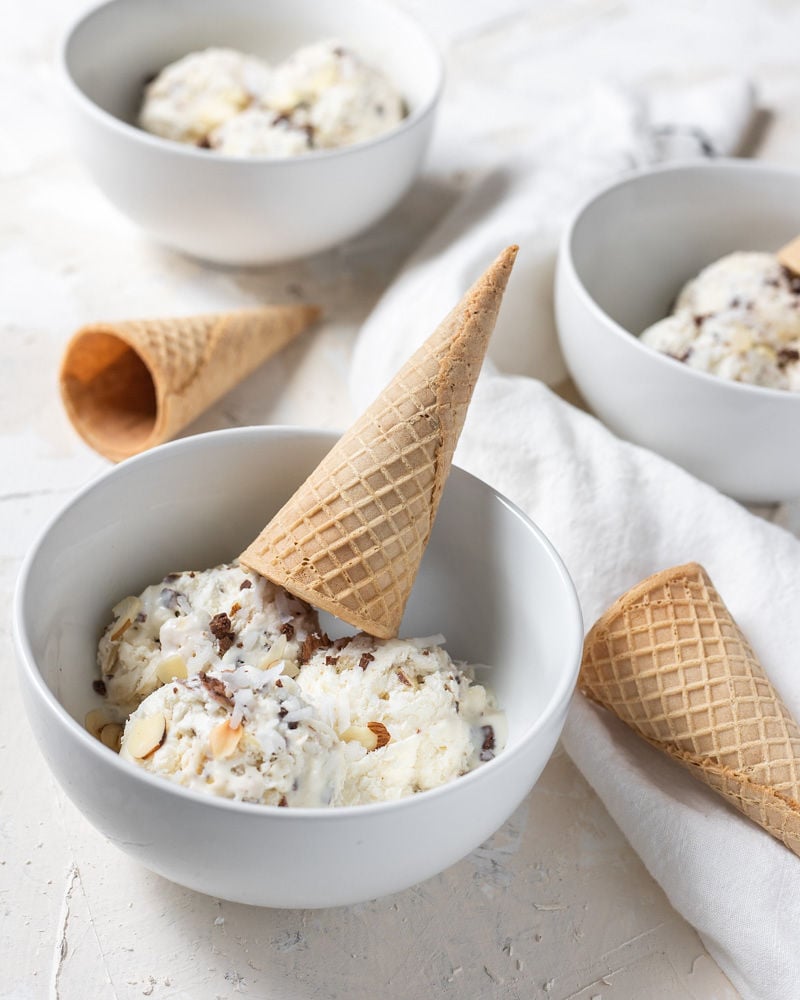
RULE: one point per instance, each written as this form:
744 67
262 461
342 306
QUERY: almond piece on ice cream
373 736
172 668
111 736
380 732
145 735
94 722
224 740
125 612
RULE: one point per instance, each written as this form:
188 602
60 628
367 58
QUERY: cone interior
109 392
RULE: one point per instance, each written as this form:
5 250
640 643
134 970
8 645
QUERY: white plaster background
555 905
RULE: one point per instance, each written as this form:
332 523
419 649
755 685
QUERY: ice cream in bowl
678 320
295 702
247 133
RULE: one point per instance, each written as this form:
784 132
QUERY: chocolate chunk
331 661
284 801
292 725
174 600
487 747
216 689
366 659
220 627
99 687
245 585
287 629
786 355
313 642
282 711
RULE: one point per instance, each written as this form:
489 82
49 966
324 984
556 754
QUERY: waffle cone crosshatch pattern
670 661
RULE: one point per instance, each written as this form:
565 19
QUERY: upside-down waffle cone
351 539
670 661
130 385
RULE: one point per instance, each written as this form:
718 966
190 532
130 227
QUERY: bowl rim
558 700
566 261
135 134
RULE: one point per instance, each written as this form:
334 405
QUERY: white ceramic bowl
237 210
490 581
623 259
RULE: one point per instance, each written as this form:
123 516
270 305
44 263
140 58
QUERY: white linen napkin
617 512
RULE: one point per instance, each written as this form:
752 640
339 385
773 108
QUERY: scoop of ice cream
271 750
410 717
259 132
329 88
199 621
739 319
232 688
196 94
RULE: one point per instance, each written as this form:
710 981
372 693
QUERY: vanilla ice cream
260 132
227 684
739 319
194 95
321 97
341 99
197 622
410 717
266 748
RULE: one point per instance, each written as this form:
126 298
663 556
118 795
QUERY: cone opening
110 394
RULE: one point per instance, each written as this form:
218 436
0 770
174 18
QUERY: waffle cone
671 662
351 539
130 385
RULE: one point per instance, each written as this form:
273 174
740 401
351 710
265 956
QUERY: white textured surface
556 905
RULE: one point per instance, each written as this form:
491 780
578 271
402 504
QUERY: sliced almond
94 722
276 652
126 612
372 736
362 735
145 735
224 740
111 736
381 733
172 668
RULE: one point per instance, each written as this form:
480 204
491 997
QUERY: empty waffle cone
671 662
351 539
130 385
